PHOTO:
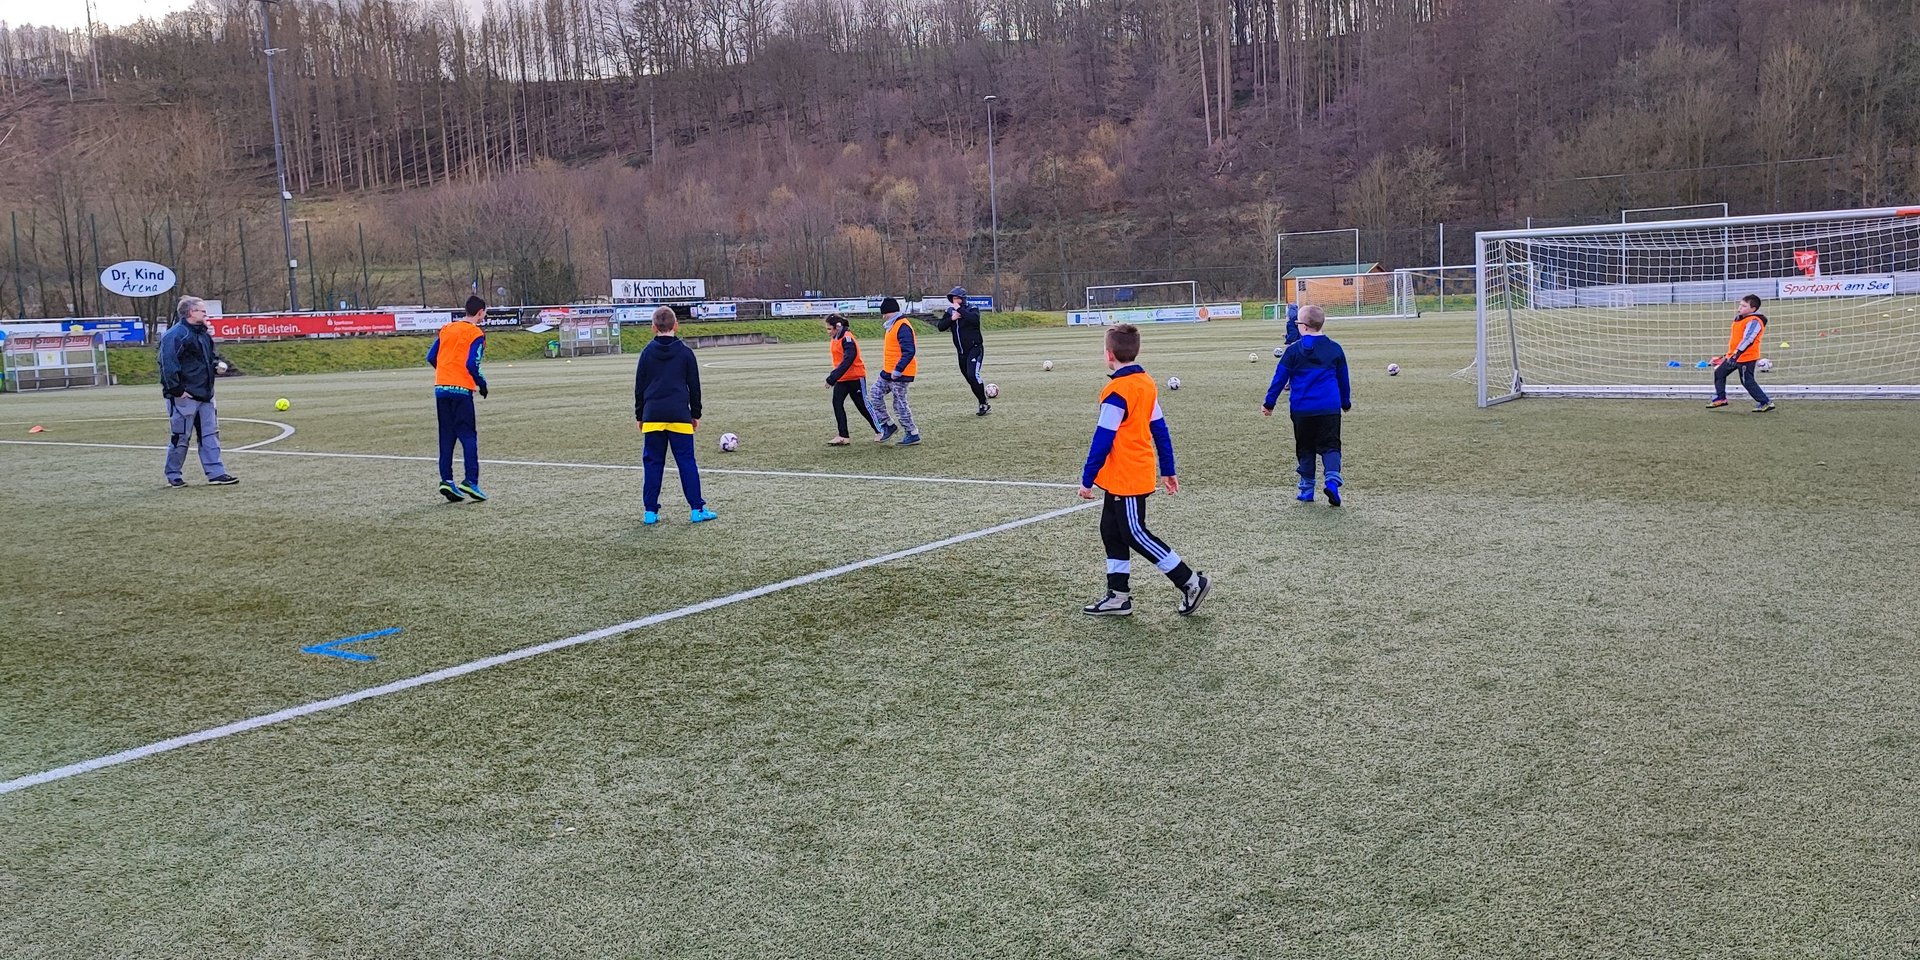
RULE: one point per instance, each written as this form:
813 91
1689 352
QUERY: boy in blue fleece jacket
1316 368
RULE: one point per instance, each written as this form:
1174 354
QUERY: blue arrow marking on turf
328 649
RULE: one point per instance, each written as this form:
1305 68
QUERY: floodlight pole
993 200
280 158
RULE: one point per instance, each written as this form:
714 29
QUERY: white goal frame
1192 287
1507 289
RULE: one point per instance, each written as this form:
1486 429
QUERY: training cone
36 428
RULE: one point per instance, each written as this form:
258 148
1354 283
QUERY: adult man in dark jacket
964 320
186 381
666 407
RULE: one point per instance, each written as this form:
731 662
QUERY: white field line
286 430
796 474
474 666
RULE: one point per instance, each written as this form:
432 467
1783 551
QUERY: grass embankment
279 357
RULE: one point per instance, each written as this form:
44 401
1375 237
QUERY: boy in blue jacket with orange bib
455 358
1131 437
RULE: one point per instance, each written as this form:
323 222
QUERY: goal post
1640 309
1169 293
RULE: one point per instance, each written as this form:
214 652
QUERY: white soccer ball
1764 365
1046 364
1173 383
993 390
729 442
1279 351
1253 358
1393 369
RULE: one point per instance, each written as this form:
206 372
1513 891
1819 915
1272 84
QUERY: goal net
1640 309
1325 267
1171 293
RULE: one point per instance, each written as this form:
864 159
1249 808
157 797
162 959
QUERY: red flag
1808 261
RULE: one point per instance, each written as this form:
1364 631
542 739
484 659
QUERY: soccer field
1561 679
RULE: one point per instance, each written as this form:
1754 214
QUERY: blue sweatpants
654 445
457 423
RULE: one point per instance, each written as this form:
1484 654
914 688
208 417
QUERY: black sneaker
225 479
985 409
447 490
1111 605
176 482
1197 590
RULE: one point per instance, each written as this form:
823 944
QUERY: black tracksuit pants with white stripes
1123 528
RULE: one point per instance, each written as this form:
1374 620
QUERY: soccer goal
1171 293
1325 267
1641 309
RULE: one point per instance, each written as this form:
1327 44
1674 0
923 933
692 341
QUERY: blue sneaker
701 515
886 433
650 518
1333 493
909 440
447 490
1305 495
472 490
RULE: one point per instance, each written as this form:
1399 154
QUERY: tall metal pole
280 158
19 285
993 200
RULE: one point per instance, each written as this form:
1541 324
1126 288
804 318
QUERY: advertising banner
655 290
501 317
1181 314
821 308
427 319
299 325
716 311
115 329
1861 286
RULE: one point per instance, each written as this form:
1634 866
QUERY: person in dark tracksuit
666 408
186 381
963 320
455 359
1316 368
848 378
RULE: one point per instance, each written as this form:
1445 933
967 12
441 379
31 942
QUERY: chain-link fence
53 262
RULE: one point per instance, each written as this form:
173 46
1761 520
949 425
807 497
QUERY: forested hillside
772 146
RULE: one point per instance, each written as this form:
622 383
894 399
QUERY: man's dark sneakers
225 479
887 430
1197 590
176 482
447 490
985 409
1111 605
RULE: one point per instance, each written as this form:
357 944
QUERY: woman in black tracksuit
848 378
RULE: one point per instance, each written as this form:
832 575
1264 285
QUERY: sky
73 13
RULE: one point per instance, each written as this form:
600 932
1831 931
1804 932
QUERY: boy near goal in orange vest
1743 353
455 359
1131 437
